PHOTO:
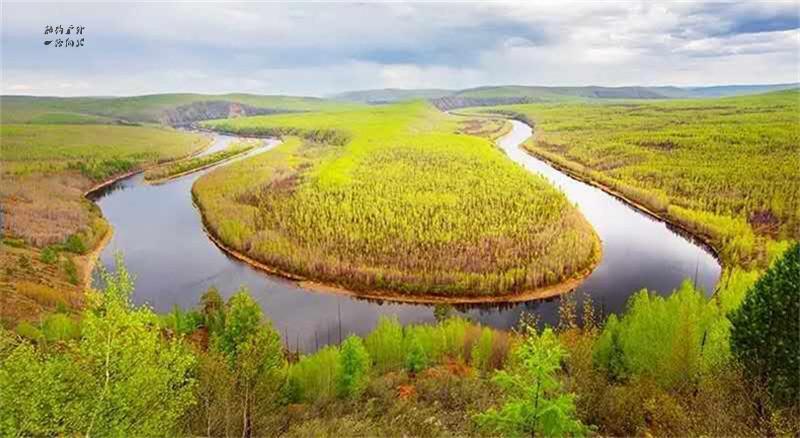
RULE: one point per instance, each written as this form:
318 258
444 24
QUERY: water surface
159 231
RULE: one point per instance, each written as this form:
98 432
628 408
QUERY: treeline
180 167
725 169
680 365
335 137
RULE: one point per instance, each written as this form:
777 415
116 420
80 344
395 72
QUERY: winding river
160 233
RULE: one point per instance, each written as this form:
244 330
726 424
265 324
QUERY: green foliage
29 331
385 344
535 403
723 168
765 336
60 327
482 351
71 271
100 170
416 357
672 340
354 366
96 151
74 244
183 166
402 203
49 255
242 320
313 377
120 377
213 310
181 322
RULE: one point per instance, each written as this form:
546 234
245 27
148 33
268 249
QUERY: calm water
159 231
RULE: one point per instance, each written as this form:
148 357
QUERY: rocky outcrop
451 103
217 109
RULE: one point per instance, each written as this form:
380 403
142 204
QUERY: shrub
416 358
534 402
29 331
49 255
482 352
71 271
60 327
212 310
181 322
765 336
672 340
313 376
354 364
74 244
385 344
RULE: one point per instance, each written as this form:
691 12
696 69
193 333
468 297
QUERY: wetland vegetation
181 167
726 169
392 199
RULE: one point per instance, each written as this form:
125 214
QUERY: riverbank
398 297
419 297
704 240
89 260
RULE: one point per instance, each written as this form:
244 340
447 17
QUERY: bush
212 310
765 336
60 327
482 352
29 331
535 403
672 340
72 271
416 358
385 344
181 322
49 255
313 376
354 364
74 244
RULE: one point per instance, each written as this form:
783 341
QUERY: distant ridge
495 95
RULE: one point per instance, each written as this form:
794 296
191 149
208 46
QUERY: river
159 231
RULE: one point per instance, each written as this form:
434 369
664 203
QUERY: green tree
259 366
416 358
213 309
354 365
765 336
534 401
242 320
120 378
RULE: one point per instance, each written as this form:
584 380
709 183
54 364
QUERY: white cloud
320 48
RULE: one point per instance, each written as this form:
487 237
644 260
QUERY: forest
408 199
725 169
680 365
392 199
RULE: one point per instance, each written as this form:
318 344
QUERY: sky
321 48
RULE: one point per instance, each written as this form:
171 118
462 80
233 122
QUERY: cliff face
218 109
451 103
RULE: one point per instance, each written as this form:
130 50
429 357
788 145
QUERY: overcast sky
322 48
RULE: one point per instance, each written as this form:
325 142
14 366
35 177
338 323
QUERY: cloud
320 48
